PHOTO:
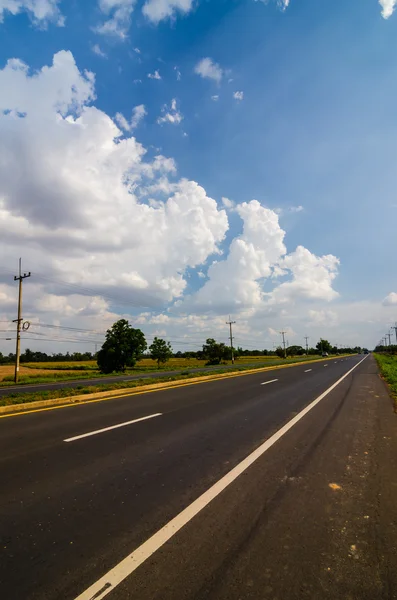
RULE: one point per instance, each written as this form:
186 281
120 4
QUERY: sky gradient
175 162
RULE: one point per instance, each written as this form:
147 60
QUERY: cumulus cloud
155 75
41 12
312 276
388 7
215 97
238 95
259 253
138 113
70 201
118 13
390 300
158 10
170 114
208 69
87 205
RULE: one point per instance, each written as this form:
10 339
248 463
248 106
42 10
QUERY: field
388 367
7 372
47 372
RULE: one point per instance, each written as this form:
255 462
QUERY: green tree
160 350
213 351
324 346
295 351
123 346
280 352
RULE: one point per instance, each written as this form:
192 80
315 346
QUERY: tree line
125 345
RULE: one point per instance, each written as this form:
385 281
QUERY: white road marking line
130 563
271 381
308 370
325 365
84 435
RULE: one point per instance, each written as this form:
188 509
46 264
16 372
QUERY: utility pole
285 351
18 321
307 345
395 329
231 323
389 336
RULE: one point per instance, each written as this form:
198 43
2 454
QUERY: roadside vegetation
388 367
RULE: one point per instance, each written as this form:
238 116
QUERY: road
313 516
39 387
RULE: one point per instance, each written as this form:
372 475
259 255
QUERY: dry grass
8 370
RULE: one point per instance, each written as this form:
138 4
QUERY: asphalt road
39 387
314 516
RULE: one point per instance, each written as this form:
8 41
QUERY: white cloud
157 10
282 4
178 73
236 283
138 113
228 203
215 98
119 17
312 277
238 95
296 209
155 75
388 7
208 69
137 50
68 203
98 51
390 300
323 317
41 12
170 114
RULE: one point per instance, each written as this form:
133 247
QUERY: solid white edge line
84 435
130 563
271 381
308 370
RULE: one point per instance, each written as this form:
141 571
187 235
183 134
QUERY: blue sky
312 137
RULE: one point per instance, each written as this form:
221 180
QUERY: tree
280 352
295 351
160 350
324 346
123 346
213 351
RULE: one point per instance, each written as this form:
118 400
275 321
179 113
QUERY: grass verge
387 364
27 397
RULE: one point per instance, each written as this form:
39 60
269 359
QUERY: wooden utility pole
18 321
231 323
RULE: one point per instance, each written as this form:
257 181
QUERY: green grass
387 364
26 397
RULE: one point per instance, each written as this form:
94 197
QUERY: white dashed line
108 582
84 435
271 381
325 365
308 370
